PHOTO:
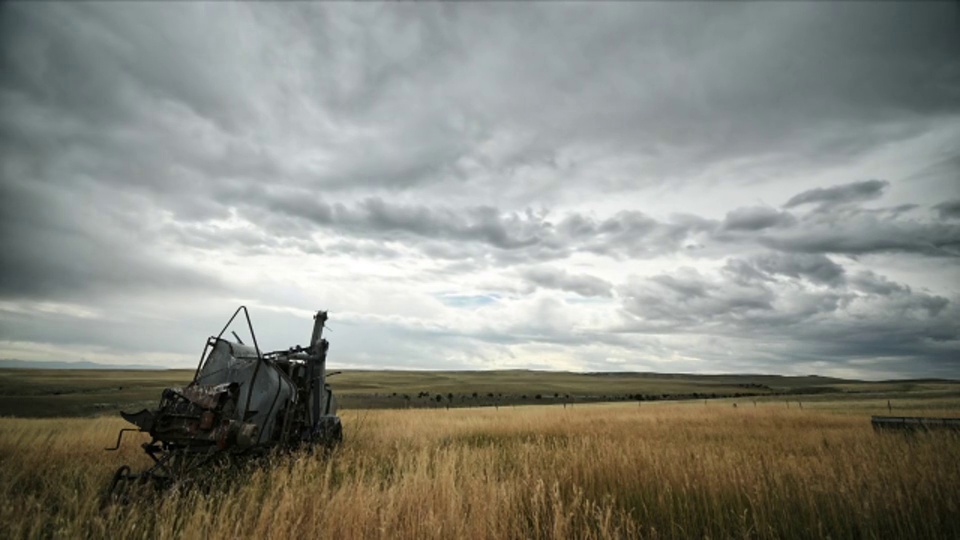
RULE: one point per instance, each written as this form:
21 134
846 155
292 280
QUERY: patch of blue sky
468 300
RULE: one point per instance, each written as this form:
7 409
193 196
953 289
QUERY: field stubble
599 471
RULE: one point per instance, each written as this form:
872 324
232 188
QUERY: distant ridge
83 364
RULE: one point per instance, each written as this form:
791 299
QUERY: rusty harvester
241 402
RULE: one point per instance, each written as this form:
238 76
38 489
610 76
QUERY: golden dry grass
602 471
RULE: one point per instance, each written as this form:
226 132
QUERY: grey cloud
874 318
757 218
743 272
839 224
862 233
582 284
246 240
516 236
523 236
482 224
130 133
948 209
815 267
901 297
100 64
171 328
519 237
370 85
55 245
678 302
848 193
872 283
893 211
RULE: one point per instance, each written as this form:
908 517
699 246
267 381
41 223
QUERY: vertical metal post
318 356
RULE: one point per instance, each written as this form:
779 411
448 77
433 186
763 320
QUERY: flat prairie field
654 470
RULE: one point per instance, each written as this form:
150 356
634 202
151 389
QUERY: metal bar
256 370
120 436
317 363
202 356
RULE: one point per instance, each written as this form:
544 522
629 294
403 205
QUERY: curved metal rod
120 436
203 355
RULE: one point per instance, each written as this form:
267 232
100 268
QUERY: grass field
798 459
49 393
620 470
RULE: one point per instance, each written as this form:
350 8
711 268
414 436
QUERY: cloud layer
626 186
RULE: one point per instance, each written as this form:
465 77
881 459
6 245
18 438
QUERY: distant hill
83 364
38 389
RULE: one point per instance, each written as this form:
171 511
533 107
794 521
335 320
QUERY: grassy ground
617 470
47 393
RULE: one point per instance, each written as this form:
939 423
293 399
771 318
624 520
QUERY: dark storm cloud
848 193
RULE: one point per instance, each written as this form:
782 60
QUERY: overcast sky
629 186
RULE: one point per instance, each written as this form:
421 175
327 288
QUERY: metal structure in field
241 402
